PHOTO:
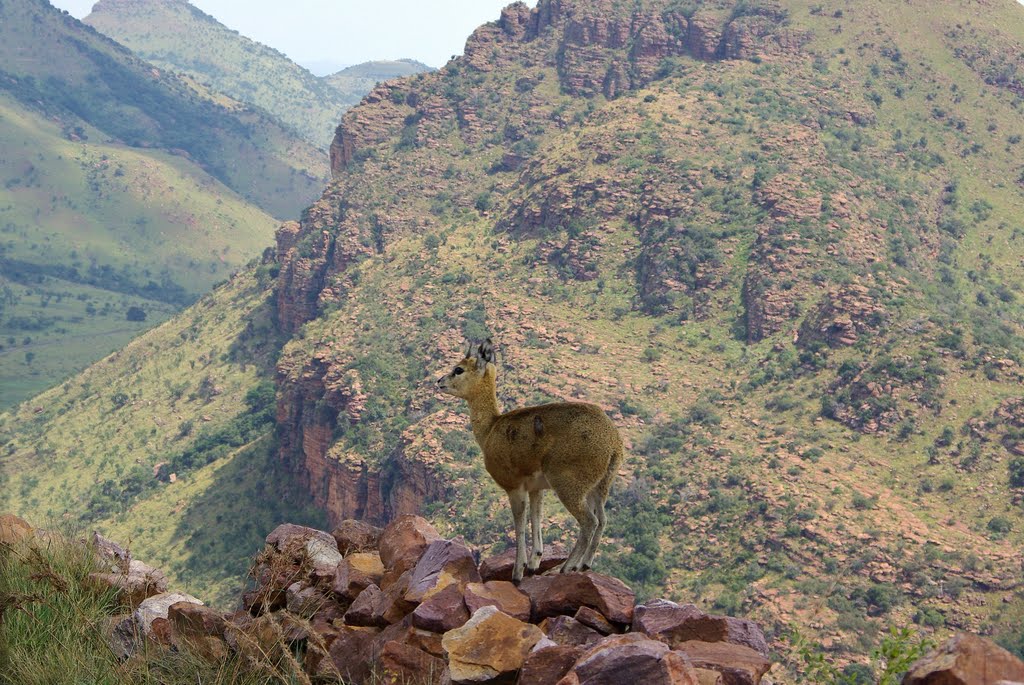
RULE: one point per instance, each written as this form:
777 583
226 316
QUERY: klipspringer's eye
458 370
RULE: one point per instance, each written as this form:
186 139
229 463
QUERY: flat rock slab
674 624
356 536
490 645
500 593
499 567
404 541
966 659
738 664
631 660
136 583
566 593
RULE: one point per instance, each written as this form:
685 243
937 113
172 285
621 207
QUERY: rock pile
403 605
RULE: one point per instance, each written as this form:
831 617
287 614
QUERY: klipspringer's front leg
537 551
517 498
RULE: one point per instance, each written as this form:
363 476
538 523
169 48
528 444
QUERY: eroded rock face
443 563
490 645
966 659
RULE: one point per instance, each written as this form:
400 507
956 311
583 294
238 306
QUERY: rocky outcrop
966 659
432 620
841 316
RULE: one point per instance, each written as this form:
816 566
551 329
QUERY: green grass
88 230
56 623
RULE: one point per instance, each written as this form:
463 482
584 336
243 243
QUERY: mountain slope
778 242
93 231
173 34
66 70
359 79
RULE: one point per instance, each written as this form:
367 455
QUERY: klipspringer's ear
469 349
485 355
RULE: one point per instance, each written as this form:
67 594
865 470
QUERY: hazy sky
348 32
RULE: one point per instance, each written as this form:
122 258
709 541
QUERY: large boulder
966 659
490 645
674 624
443 563
631 658
566 593
404 541
356 536
349 656
151 615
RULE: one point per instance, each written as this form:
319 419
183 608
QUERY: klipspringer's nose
440 381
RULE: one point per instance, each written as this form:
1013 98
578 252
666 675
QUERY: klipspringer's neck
483 408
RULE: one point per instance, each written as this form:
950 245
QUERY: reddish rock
631 659
567 631
674 624
490 645
499 593
304 600
444 611
499 567
566 593
965 659
738 664
594 619
356 536
367 609
13 529
548 665
157 607
355 573
403 664
350 655
404 541
443 563
195 620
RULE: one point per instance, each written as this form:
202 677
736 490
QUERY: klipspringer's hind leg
595 503
588 524
517 499
536 502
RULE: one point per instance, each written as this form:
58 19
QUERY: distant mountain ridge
125 194
174 34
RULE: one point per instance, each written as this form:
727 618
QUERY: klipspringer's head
468 375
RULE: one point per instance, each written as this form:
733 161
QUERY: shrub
1016 472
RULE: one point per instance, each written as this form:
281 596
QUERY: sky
343 32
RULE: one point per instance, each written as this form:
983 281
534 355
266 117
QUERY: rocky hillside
174 34
68 72
778 242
